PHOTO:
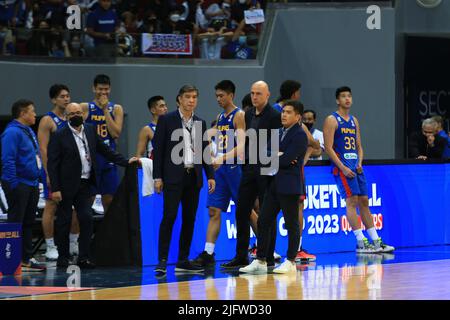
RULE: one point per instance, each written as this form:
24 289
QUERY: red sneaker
303 255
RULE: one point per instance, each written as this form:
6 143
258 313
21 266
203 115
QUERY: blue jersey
97 118
278 107
57 120
345 141
226 127
152 126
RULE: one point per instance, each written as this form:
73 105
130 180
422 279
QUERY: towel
148 186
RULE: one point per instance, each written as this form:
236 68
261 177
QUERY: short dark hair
247 102
19 106
288 88
227 86
187 88
296 105
153 100
312 111
56 89
342 89
439 120
101 79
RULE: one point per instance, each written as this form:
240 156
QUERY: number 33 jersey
345 141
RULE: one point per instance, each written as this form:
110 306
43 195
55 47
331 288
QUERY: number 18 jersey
97 118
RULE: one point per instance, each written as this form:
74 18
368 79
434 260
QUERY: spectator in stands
174 25
218 31
21 170
443 134
39 43
102 25
309 119
8 11
427 144
7 41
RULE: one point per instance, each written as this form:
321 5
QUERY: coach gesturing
181 179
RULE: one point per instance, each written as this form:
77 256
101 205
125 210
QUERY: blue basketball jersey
345 141
97 118
57 120
152 126
226 127
278 107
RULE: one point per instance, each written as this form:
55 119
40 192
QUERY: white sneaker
384 247
255 267
364 246
276 256
285 267
51 253
73 249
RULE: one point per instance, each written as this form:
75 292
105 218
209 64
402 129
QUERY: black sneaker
161 267
235 263
270 263
204 259
187 266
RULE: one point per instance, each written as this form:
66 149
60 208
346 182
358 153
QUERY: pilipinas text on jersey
226 139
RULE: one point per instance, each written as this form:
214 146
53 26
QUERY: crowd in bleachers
115 27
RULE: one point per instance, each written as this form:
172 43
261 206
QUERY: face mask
242 1
242 40
309 126
225 5
76 121
175 17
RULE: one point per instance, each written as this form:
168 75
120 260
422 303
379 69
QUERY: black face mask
309 126
76 121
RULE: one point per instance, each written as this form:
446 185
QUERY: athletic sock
50 242
358 234
300 244
209 247
372 232
73 237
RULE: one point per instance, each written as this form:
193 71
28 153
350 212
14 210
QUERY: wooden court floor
422 280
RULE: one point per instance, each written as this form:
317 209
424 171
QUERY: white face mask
175 17
225 5
242 1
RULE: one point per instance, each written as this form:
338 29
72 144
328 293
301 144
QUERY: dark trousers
82 203
273 202
188 194
22 207
253 185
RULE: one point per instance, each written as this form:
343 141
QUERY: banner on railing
157 43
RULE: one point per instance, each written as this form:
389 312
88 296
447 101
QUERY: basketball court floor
420 273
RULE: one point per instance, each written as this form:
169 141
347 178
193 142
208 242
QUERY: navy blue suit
179 184
284 193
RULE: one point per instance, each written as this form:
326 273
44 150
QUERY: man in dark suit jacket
72 170
254 179
284 192
178 160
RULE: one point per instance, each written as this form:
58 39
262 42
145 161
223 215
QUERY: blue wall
409 204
